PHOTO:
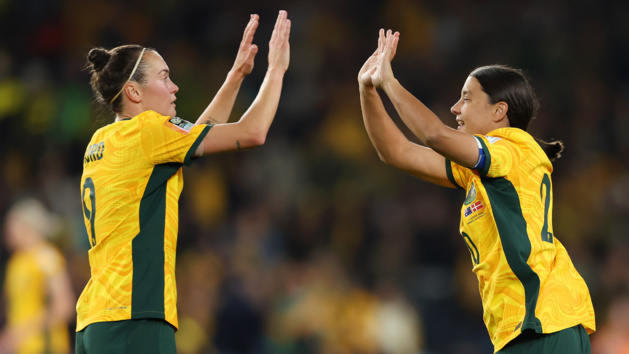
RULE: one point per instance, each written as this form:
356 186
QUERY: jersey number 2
546 236
90 213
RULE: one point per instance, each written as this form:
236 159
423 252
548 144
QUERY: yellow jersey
131 183
526 278
25 288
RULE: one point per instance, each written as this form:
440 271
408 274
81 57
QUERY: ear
500 111
133 93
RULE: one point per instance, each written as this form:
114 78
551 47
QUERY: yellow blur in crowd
38 296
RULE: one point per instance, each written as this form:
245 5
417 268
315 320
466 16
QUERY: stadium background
310 243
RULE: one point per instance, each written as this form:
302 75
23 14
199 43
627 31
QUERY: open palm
387 47
247 50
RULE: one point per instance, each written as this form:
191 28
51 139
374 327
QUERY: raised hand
387 47
365 73
243 65
279 47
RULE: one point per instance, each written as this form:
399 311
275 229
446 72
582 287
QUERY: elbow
253 140
258 140
385 158
434 138
388 157
396 155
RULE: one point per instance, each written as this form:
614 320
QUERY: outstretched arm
251 130
221 106
392 146
457 146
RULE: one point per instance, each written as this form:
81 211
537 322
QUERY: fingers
394 41
282 25
279 48
250 30
388 42
381 41
253 50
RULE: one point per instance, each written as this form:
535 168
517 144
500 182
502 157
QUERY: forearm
422 122
258 118
456 146
219 110
385 136
394 148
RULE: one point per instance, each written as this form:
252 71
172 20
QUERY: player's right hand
243 65
365 73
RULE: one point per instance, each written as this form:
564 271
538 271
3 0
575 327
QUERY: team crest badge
181 124
471 195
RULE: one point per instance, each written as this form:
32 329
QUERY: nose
175 88
455 109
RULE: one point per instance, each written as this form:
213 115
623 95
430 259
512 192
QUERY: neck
130 112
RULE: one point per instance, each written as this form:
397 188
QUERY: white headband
130 76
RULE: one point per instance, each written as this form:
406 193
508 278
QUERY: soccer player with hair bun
534 300
132 179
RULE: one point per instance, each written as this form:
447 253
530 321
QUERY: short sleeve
457 174
170 139
500 155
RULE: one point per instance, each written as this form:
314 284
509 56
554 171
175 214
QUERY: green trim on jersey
148 246
190 158
450 175
511 225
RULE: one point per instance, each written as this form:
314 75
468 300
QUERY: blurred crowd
310 244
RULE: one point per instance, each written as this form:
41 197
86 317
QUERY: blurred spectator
613 336
39 298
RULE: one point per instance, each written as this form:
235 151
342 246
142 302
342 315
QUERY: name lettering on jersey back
94 152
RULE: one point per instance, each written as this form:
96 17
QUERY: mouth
461 124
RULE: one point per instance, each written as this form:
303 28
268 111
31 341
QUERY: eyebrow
163 70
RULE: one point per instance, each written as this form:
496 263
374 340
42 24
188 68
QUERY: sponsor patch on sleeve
179 124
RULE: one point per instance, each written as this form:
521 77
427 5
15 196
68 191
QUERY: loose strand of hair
552 148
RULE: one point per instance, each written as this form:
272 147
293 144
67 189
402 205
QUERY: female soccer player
533 298
132 179
38 292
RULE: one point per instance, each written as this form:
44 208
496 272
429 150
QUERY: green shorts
152 336
574 340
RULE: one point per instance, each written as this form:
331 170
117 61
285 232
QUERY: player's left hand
243 65
387 47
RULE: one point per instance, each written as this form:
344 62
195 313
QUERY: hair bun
98 58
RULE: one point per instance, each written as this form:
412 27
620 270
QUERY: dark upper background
299 245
